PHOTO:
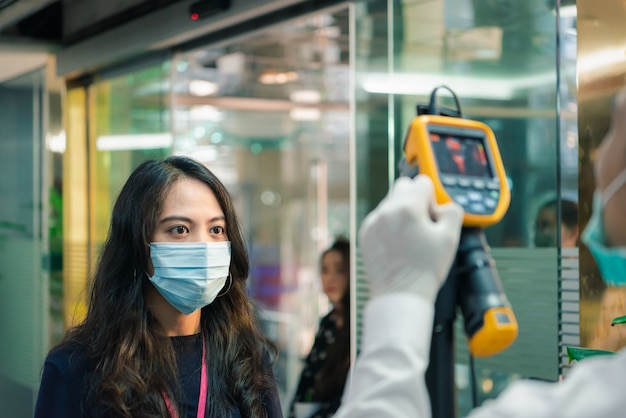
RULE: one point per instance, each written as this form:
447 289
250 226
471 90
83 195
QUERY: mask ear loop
230 283
613 187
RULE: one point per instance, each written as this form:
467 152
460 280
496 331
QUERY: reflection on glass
125 122
504 73
546 225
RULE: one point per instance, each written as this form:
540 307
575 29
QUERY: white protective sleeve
388 377
594 388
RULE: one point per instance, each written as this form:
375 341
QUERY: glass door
24 280
114 124
270 115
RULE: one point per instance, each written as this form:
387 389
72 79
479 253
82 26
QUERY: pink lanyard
204 388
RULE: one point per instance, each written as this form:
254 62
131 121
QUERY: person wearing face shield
420 239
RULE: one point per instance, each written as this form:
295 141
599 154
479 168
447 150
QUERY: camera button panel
478 197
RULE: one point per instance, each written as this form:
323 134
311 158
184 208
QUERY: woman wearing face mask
170 331
324 375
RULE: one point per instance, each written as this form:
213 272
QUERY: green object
580 353
618 320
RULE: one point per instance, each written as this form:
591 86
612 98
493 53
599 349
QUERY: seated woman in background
326 367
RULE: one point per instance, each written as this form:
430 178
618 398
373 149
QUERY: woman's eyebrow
188 220
175 218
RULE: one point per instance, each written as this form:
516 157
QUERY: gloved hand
408 242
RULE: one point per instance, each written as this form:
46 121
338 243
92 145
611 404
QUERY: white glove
408 242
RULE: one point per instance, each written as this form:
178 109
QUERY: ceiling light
463 86
305 114
274 77
202 88
305 96
205 113
281 78
133 142
267 78
57 143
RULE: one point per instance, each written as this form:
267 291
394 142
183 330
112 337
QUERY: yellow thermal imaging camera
461 157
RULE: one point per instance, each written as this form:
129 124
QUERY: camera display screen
461 155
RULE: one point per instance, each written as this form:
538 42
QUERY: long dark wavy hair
331 378
133 361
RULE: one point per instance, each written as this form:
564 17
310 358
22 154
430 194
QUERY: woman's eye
180 229
218 230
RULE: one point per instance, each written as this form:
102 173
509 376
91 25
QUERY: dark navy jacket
63 384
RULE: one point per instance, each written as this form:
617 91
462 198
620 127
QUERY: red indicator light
195 16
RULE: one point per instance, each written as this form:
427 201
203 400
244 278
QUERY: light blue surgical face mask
611 261
189 275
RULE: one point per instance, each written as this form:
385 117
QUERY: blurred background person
319 391
546 226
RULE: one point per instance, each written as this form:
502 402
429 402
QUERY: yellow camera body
462 158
